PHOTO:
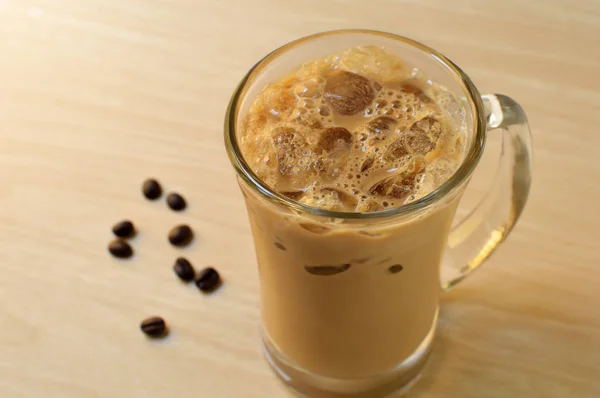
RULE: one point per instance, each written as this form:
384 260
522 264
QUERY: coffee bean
176 202
120 248
208 279
394 269
154 326
181 235
152 189
326 270
184 269
124 229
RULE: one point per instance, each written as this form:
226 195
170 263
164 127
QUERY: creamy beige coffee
357 131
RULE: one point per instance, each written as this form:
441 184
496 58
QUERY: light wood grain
96 95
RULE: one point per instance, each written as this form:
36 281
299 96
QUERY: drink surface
357 131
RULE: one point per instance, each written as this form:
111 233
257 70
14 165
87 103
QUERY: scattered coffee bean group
181 235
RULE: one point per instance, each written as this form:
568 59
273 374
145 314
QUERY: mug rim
457 179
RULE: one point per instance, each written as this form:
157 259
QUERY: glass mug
349 301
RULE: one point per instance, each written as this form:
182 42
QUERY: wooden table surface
96 95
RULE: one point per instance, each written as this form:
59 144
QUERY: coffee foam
354 132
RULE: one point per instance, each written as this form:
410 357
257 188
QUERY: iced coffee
358 131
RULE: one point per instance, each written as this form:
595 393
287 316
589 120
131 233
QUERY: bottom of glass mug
392 383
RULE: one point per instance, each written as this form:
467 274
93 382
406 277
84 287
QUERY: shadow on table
502 341
452 368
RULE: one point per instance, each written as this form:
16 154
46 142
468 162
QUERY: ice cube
307 119
324 111
428 125
326 270
287 143
374 62
294 195
381 127
402 188
314 228
335 139
309 88
279 101
328 200
367 205
396 150
348 93
418 143
396 187
411 87
400 185
367 163
381 187
253 124
346 199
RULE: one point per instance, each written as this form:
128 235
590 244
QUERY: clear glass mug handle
476 237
